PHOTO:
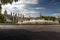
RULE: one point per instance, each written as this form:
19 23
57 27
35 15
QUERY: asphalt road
24 32
34 28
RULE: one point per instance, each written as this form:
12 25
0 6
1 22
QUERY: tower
40 14
5 12
11 13
23 15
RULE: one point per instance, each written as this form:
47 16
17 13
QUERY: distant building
11 17
34 20
15 18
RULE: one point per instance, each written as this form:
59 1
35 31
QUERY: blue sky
34 7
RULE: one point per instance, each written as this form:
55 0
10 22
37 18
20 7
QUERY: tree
58 19
7 1
2 18
2 2
53 18
47 17
40 16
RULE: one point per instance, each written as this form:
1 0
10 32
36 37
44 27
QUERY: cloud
20 7
36 8
56 15
27 2
40 8
6 7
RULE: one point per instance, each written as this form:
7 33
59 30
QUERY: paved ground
55 28
40 32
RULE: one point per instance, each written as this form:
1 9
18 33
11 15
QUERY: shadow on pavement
28 35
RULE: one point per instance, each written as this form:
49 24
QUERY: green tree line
2 18
49 18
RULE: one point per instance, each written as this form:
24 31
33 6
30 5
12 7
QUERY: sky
34 7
